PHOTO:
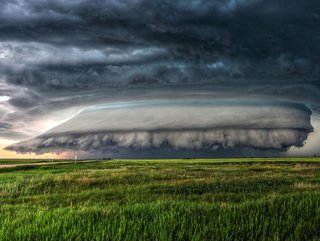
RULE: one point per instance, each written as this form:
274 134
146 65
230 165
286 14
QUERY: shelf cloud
184 124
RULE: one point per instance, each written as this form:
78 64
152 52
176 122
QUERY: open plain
178 199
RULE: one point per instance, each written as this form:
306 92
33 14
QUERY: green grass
196 199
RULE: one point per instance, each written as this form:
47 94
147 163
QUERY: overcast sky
160 78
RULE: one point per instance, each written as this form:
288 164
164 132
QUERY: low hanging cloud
178 125
264 139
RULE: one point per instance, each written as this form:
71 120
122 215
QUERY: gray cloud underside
188 124
68 54
278 139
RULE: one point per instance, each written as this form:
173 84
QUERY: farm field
178 199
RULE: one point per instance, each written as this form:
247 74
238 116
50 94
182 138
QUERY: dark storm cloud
249 38
256 29
56 55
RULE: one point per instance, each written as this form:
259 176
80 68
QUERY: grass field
222 199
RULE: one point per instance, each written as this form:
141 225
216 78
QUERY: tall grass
162 200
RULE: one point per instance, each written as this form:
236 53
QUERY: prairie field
176 199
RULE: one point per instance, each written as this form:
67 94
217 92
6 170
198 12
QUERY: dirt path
39 164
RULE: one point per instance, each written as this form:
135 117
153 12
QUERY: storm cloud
187 124
60 57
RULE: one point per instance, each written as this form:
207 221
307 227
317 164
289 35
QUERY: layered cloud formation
184 124
59 57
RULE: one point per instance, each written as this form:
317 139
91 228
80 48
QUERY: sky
159 79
